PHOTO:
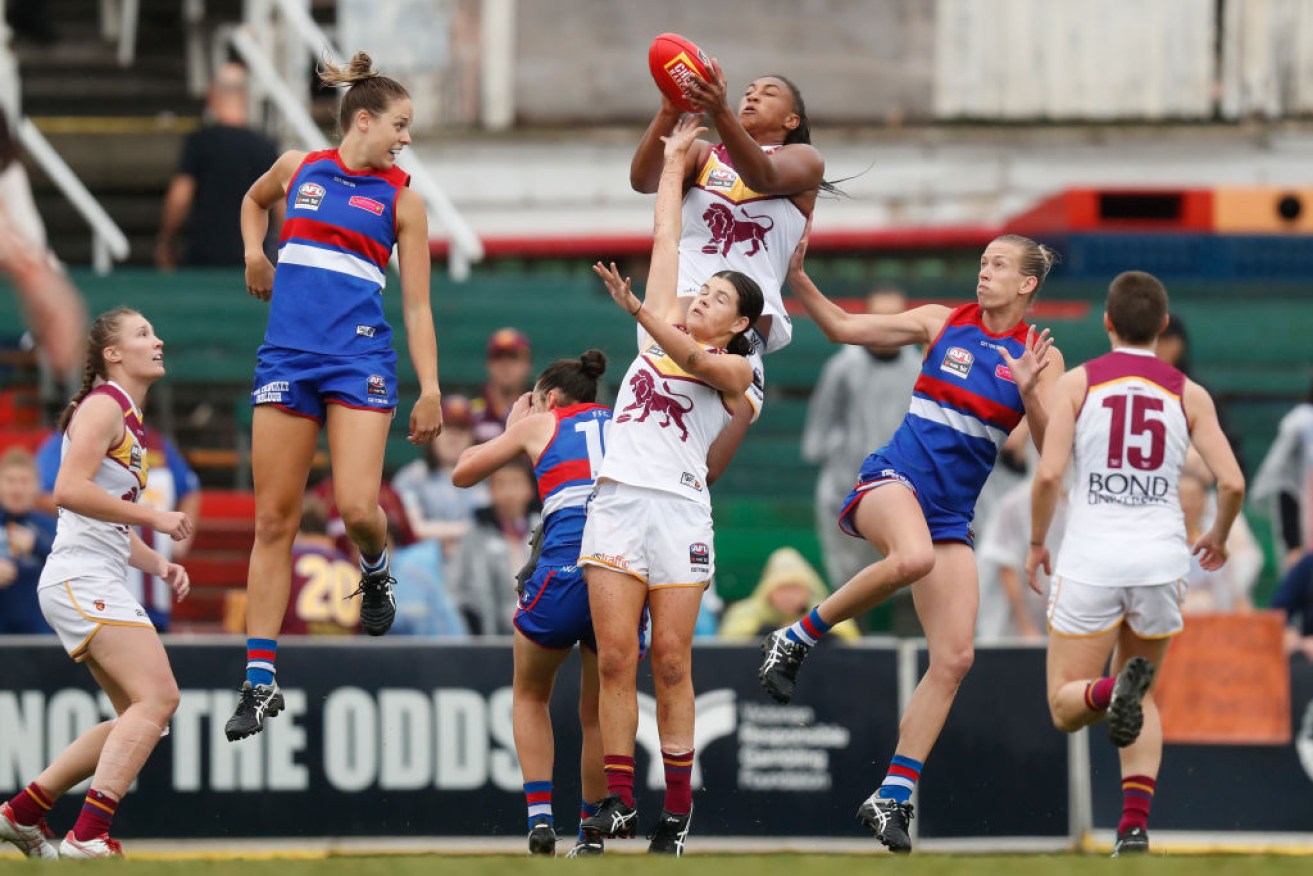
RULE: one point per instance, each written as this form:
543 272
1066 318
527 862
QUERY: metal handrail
108 241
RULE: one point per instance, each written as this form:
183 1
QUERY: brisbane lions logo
649 400
727 230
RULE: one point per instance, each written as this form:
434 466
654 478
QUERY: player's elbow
463 476
1232 485
1047 478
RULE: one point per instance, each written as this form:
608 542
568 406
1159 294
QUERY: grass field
721 865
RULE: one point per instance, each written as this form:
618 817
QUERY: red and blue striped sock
538 797
260 656
1137 797
679 781
374 565
810 630
97 813
1098 694
30 805
586 810
901 779
620 777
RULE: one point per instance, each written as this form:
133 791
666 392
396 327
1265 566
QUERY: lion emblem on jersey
648 399
728 229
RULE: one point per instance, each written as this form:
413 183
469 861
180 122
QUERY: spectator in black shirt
219 163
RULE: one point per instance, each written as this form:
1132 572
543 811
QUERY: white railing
108 243
253 43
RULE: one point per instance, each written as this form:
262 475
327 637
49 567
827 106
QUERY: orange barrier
1226 680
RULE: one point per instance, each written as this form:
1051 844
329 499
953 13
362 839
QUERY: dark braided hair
367 89
104 332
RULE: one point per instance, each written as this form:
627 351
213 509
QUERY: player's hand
177 578
21 540
682 136
708 95
8 572
796 260
175 524
620 288
260 277
522 408
425 419
1211 551
1027 369
1036 559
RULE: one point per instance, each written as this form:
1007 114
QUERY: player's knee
956 662
272 527
913 564
617 665
670 667
357 515
163 701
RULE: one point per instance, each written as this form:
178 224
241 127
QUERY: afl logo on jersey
376 385
957 361
721 178
308 196
100 604
134 458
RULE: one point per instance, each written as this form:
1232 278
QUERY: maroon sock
97 813
679 788
1098 694
620 777
1137 797
30 805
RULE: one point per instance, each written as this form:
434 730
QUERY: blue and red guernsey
566 471
963 407
337 239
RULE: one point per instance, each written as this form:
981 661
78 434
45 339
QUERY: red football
672 60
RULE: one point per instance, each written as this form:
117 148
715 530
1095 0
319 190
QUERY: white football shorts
660 538
1152 611
76 609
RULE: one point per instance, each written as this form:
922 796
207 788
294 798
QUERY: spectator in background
424 606
1294 596
1008 607
1285 479
495 548
1174 349
789 586
26 536
436 509
394 509
323 580
52 309
171 485
1230 587
219 163
858 402
509 362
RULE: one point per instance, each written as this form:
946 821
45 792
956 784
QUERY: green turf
722 865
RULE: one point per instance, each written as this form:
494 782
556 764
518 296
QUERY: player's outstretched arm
1208 438
916 326
649 157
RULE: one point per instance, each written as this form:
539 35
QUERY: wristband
634 312
1037 544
